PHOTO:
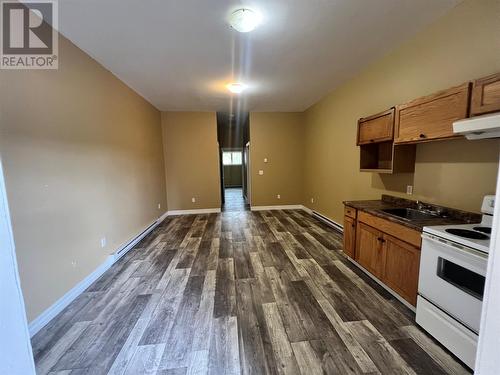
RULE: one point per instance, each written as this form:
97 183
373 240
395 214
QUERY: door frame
248 176
15 344
489 330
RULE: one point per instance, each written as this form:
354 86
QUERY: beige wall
192 160
83 159
461 46
279 137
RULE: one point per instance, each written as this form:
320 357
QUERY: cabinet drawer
406 234
376 128
486 95
431 117
349 211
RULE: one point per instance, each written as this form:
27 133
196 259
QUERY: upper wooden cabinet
376 128
431 117
485 95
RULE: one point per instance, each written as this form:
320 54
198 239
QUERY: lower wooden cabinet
370 252
395 261
349 236
402 262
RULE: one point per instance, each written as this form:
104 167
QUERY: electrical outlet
265 160
103 242
159 206
193 200
278 196
261 172
312 200
73 264
409 189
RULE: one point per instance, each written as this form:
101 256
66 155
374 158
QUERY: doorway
233 137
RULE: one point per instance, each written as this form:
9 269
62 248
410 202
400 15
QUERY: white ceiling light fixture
244 20
236 87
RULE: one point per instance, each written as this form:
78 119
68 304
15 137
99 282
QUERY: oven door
452 278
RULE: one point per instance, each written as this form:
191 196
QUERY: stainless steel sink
410 213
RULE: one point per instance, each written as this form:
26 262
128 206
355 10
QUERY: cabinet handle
422 135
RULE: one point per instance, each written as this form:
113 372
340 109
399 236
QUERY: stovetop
477 238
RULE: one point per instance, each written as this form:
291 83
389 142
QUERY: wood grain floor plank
385 357
163 317
145 360
252 353
181 335
224 357
306 357
282 349
225 293
435 351
45 364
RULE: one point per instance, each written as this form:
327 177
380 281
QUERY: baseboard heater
134 240
328 222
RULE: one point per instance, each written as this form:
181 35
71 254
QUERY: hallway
234 200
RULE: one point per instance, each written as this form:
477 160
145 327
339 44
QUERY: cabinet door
432 117
402 262
369 250
376 128
349 236
486 95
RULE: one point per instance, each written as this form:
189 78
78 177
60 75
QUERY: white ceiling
179 54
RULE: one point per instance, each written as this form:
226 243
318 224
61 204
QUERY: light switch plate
261 172
409 189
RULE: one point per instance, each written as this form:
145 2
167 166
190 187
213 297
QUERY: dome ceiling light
236 87
244 20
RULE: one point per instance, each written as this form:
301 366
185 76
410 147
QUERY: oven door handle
455 246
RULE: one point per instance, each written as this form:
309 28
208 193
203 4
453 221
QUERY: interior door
370 249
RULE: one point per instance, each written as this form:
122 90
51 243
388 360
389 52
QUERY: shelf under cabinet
387 158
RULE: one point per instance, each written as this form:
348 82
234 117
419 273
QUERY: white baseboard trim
397 296
285 207
192 212
308 210
45 317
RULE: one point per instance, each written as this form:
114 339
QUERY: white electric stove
475 236
452 275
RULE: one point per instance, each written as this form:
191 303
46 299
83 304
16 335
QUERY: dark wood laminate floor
237 293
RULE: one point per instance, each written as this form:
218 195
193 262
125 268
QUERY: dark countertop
448 216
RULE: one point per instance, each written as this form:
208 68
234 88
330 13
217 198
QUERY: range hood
487 126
